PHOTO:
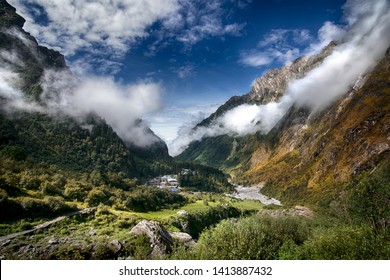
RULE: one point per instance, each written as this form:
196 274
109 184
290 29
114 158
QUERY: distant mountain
37 136
306 153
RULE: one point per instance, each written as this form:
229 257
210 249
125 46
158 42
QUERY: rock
182 213
302 211
53 241
117 246
184 238
5 243
92 232
160 239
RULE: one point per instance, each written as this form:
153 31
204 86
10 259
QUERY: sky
186 57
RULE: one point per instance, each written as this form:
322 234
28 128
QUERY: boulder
160 239
117 246
184 238
182 213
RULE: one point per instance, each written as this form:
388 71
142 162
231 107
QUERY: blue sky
197 53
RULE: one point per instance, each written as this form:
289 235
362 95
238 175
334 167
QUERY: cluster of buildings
169 182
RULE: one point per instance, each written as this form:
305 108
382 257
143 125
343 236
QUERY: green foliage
145 199
96 196
76 191
257 237
368 201
137 246
14 152
49 206
345 243
197 221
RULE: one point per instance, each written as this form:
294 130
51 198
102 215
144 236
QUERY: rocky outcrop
184 238
161 241
272 84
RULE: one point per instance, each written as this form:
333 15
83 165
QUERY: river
253 193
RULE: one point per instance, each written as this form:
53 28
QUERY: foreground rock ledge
160 239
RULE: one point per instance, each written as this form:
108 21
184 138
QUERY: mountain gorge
305 151
74 185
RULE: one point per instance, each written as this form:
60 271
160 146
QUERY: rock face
272 84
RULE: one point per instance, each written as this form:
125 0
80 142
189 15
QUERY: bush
346 243
256 238
49 206
75 191
368 201
95 197
152 199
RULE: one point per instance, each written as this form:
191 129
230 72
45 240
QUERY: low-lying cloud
364 44
120 105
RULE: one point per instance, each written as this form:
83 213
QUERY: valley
297 168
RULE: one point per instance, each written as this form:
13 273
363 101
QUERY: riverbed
253 193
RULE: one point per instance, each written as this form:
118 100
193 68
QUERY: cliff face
272 85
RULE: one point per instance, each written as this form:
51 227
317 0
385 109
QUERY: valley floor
253 193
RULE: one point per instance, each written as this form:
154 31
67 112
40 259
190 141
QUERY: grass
250 205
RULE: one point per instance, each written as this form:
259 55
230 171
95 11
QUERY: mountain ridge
306 149
37 135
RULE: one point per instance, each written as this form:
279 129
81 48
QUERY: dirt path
253 193
46 224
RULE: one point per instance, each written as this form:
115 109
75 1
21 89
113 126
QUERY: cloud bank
95 35
120 105
364 44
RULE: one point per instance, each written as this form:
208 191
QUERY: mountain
307 154
31 131
269 87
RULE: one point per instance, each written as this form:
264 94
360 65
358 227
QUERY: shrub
151 199
95 197
75 191
346 243
257 237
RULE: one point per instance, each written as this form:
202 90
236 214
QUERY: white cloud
255 59
109 29
185 71
75 25
327 33
276 46
169 121
285 45
120 105
198 20
363 45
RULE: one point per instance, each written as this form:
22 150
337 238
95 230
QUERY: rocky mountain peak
8 15
271 86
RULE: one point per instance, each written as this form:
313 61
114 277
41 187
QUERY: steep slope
229 153
306 152
27 133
